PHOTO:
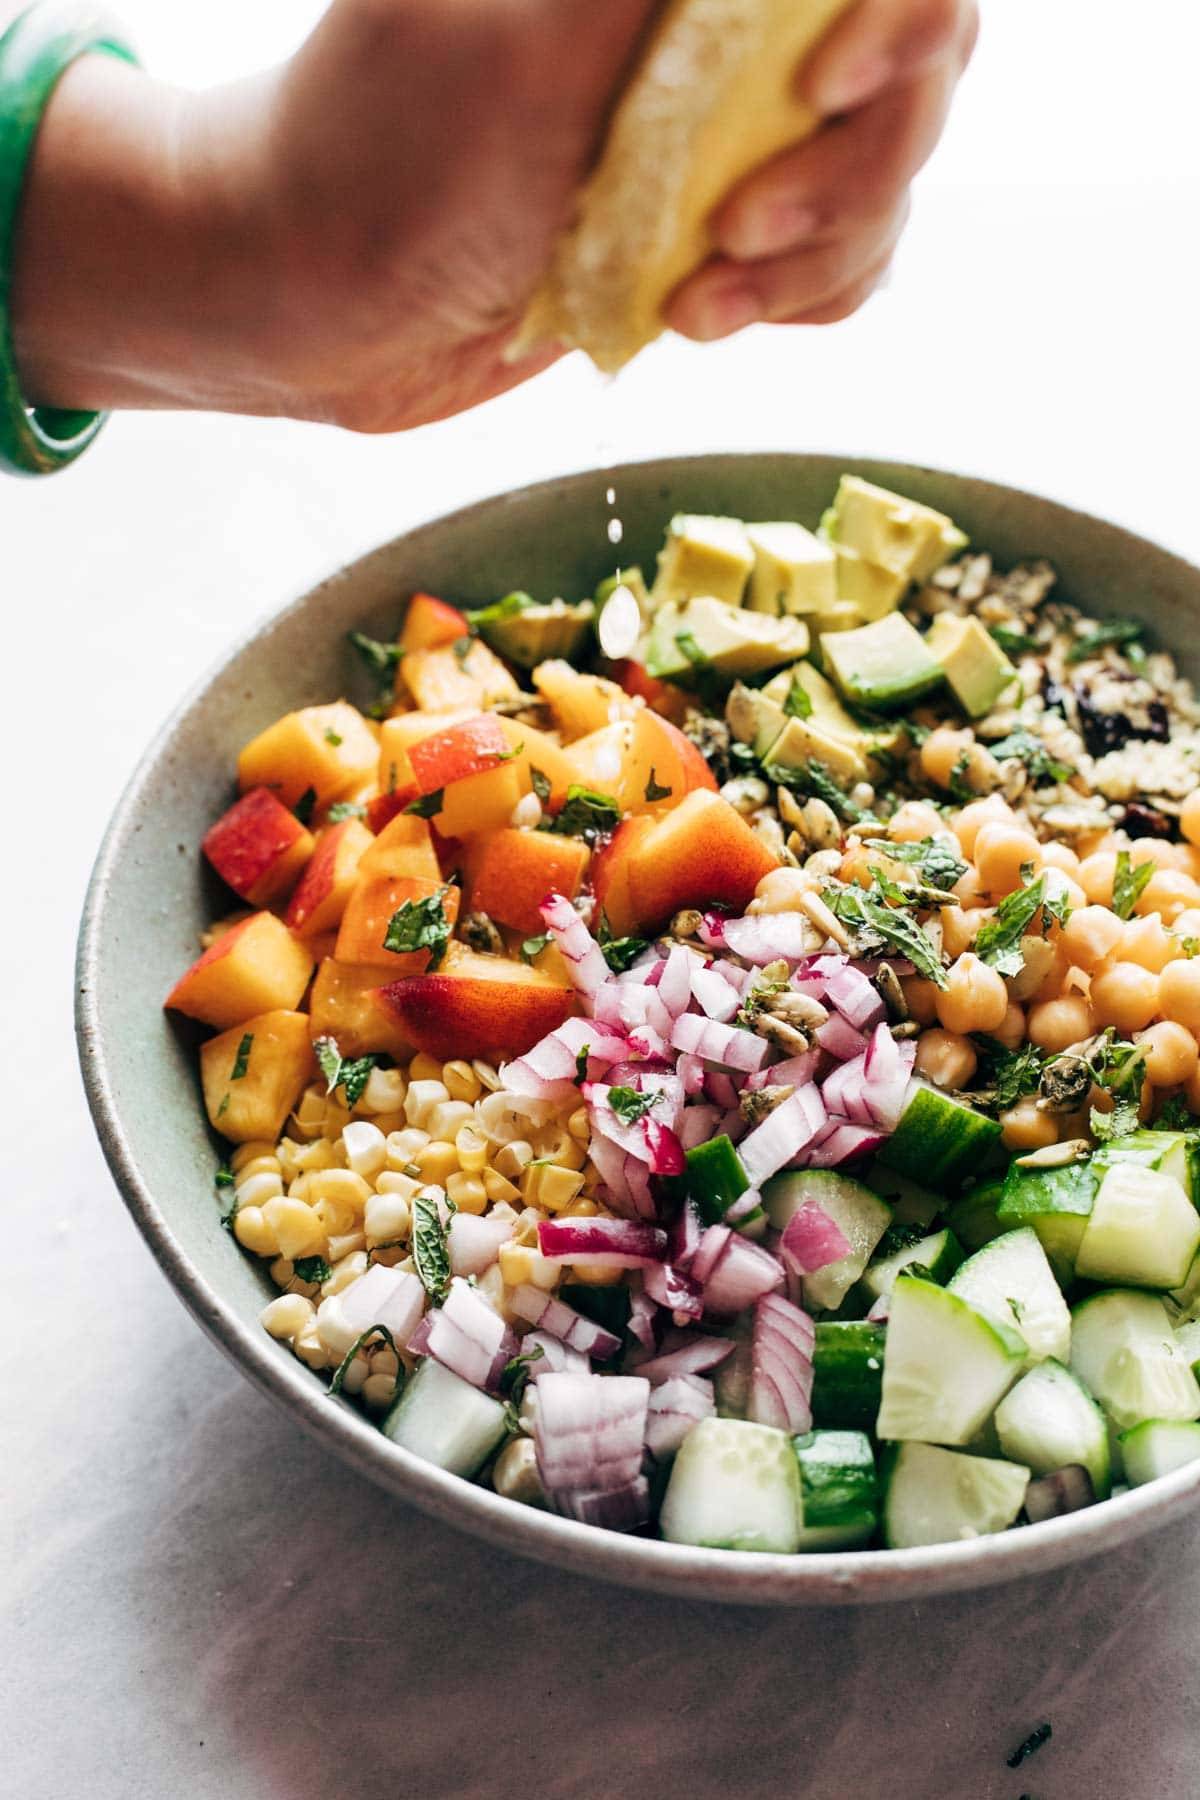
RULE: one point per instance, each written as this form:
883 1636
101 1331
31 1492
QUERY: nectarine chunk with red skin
325 750
635 680
253 1075
369 911
324 888
643 762
258 847
403 847
459 751
343 1005
430 622
509 873
482 802
477 1005
530 749
610 875
442 678
702 851
256 966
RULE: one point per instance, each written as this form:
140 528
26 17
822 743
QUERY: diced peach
457 752
344 1006
430 622
369 911
701 851
580 703
324 750
633 678
531 749
258 847
477 1006
448 676
403 847
644 762
256 967
320 899
322 945
696 772
509 873
610 875
480 803
253 1075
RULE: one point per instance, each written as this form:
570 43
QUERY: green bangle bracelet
34 53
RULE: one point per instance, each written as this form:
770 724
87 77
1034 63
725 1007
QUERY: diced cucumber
1049 1420
911 1203
444 1420
934 1496
939 1254
734 1486
1142 1230
716 1178
1168 1152
847 1373
1056 1203
946 1365
1126 1355
1012 1279
1187 1336
1183 1302
1157 1446
973 1218
861 1216
883 664
839 1489
939 1141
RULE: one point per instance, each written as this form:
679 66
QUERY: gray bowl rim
739 1577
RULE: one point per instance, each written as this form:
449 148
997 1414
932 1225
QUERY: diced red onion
844 1091
717 998
626 1179
727 1044
709 1251
743 1206
879 1309
783 1134
646 1041
586 967
765 937
683 1239
839 1037
417 1342
844 1144
624 1242
689 1358
812 1240
741 980
643 1310
675 986
720 1089
557 1358
712 930
632 1009
858 1001
675 1406
612 1509
671 1288
648 1138
589 1431
742 1274
781 1376
795 1072
633 1074
887 1067
469 1337
691 1073
393 1298
473 1241
697 1124
549 1070
552 1315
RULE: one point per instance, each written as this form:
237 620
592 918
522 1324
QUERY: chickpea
920 996
1090 934
1172 1054
1191 1092
974 998
1001 853
1156 850
1023 1127
960 926
977 813
1167 893
914 820
1189 860
1187 925
1041 974
1179 993
1189 817
968 891
1061 856
856 864
1125 995
947 1058
781 891
1096 876
1148 942
1011 1030
941 752
1055 1024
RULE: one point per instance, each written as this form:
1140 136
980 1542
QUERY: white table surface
199 1602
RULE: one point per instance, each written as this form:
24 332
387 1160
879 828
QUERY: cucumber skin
846 1389
715 1179
1138 1448
912 1148
839 1483
973 1217
1057 1203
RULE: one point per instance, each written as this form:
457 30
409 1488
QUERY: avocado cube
536 633
707 634
900 535
975 666
870 588
883 664
793 570
703 555
804 742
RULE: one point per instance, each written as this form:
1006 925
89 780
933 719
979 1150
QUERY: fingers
857 166
882 43
848 301
724 296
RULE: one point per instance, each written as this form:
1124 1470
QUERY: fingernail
856 84
724 310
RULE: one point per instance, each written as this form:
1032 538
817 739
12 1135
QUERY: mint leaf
1013 1073
619 953
429 804
798 704
533 946
653 791
329 1061
312 1268
241 1061
586 814
345 809
814 779
429 1252
421 925
1033 753
381 659
540 783
629 1105
350 1075
999 941
935 859
1129 884
333 737
881 926
581 1063
303 809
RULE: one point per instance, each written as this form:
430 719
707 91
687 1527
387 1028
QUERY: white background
194 1592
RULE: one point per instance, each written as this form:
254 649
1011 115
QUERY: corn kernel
342 1187
489 1081
389 1122
549 1186
309 1113
391 1183
346 1244
514 1157
421 1097
424 1068
317 1155
311 1351
344 1273
403 1146
287 1155
365 1147
597 1274
491 1285
295 1227
522 1266
467 1192
384 1092
336 1216
379 1390
472 1150
253 1233
461 1081
436 1162
582 1208
287 1316
498 1187
445 1120
257 1151
388 1217
561 1147
281 1271
578 1125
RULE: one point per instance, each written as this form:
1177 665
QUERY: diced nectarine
322 750
610 875
403 847
701 851
449 676
258 847
430 622
580 703
477 1006
456 752
643 762
531 749
480 803
373 903
253 1075
509 874
256 967
344 1006
320 899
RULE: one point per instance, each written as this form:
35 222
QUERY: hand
806 239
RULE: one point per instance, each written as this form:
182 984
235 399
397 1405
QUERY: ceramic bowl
150 896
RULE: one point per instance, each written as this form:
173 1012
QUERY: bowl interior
149 900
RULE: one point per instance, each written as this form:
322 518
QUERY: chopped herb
241 1061
224 1106
1013 1073
429 1252
586 814
897 1238
1117 632
1033 1742
421 925
514 1378
878 927
815 779
329 1061
346 809
999 941
629 1105
619 953
223 1177
581 1063
1013 643
1015 1308
653 791
698 658
1190 946
503 756
1119 1067
540 783
1033 753
752 1006
312 1268
351 1075
372 1331
885 889
960 788
303 809
499 610
333 737
533 946
463 647
798 704
428 805
1129 884
1175 1115
936 859
381 659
